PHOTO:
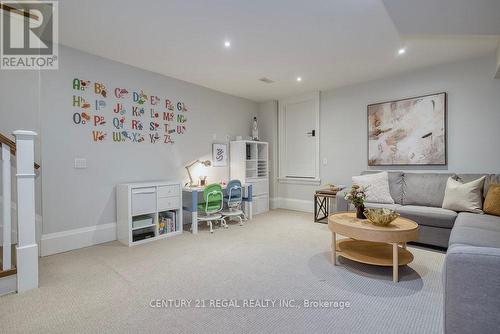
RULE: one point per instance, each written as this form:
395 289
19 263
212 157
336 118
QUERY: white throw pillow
460 196
377 190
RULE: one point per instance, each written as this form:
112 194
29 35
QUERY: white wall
473 120
268 126
497 76
79 204
19 110
79 200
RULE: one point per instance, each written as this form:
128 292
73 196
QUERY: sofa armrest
342 204
471 289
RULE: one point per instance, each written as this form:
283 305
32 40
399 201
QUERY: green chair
209 210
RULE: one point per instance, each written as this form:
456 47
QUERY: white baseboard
64 241
292 204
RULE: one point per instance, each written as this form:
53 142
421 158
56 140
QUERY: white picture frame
219 155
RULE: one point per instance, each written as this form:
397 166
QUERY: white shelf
141 227
169 234
149 199
250 164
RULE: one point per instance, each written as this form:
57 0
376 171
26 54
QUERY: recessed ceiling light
299 79
402 51
227 44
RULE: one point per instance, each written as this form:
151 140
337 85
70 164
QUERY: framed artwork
408 132
219 155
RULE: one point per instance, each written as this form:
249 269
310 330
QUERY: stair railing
27 248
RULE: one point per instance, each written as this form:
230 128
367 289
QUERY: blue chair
233 201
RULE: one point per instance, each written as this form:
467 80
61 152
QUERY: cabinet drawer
168 203
168 191
259 188
143 200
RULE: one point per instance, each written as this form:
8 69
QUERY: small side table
322 204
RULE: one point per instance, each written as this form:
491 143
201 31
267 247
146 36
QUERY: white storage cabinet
249 163
145 209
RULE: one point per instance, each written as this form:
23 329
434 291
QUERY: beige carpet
279 255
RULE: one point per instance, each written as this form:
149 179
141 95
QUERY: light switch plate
80 163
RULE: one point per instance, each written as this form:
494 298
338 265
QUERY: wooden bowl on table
381 216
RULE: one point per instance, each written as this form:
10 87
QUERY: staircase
19 260
12 271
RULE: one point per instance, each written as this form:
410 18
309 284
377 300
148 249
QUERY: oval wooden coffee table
372 244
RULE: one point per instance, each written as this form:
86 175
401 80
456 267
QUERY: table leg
250 210
249 202
395 262
334 248
315 208
194 222
194 212
404 245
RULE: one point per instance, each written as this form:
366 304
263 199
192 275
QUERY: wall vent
266 80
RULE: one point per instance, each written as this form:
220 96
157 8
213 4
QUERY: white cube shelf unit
250 164
148 211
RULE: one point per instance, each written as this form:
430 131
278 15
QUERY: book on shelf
167 222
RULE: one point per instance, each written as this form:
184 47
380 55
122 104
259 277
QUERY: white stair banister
6 213
27 248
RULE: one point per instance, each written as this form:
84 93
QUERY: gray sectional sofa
472 267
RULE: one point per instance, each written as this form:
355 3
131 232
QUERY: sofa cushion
471 289
492 200
476 230
472 220
377 187
428 215
395 184
426 189
460 196
382 205
464 178
490 179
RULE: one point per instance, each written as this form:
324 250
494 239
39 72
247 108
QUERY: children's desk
191 195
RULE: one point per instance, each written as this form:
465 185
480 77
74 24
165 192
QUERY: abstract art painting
408 132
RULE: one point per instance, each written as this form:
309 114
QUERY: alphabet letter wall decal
149 118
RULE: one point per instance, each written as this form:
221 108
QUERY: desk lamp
205 163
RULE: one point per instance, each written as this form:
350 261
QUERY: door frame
282 177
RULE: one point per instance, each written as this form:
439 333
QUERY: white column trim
27 248
6 216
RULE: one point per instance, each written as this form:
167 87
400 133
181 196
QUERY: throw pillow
460 196
492 201
377 190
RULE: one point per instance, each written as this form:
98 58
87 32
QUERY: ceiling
329 43
445 17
